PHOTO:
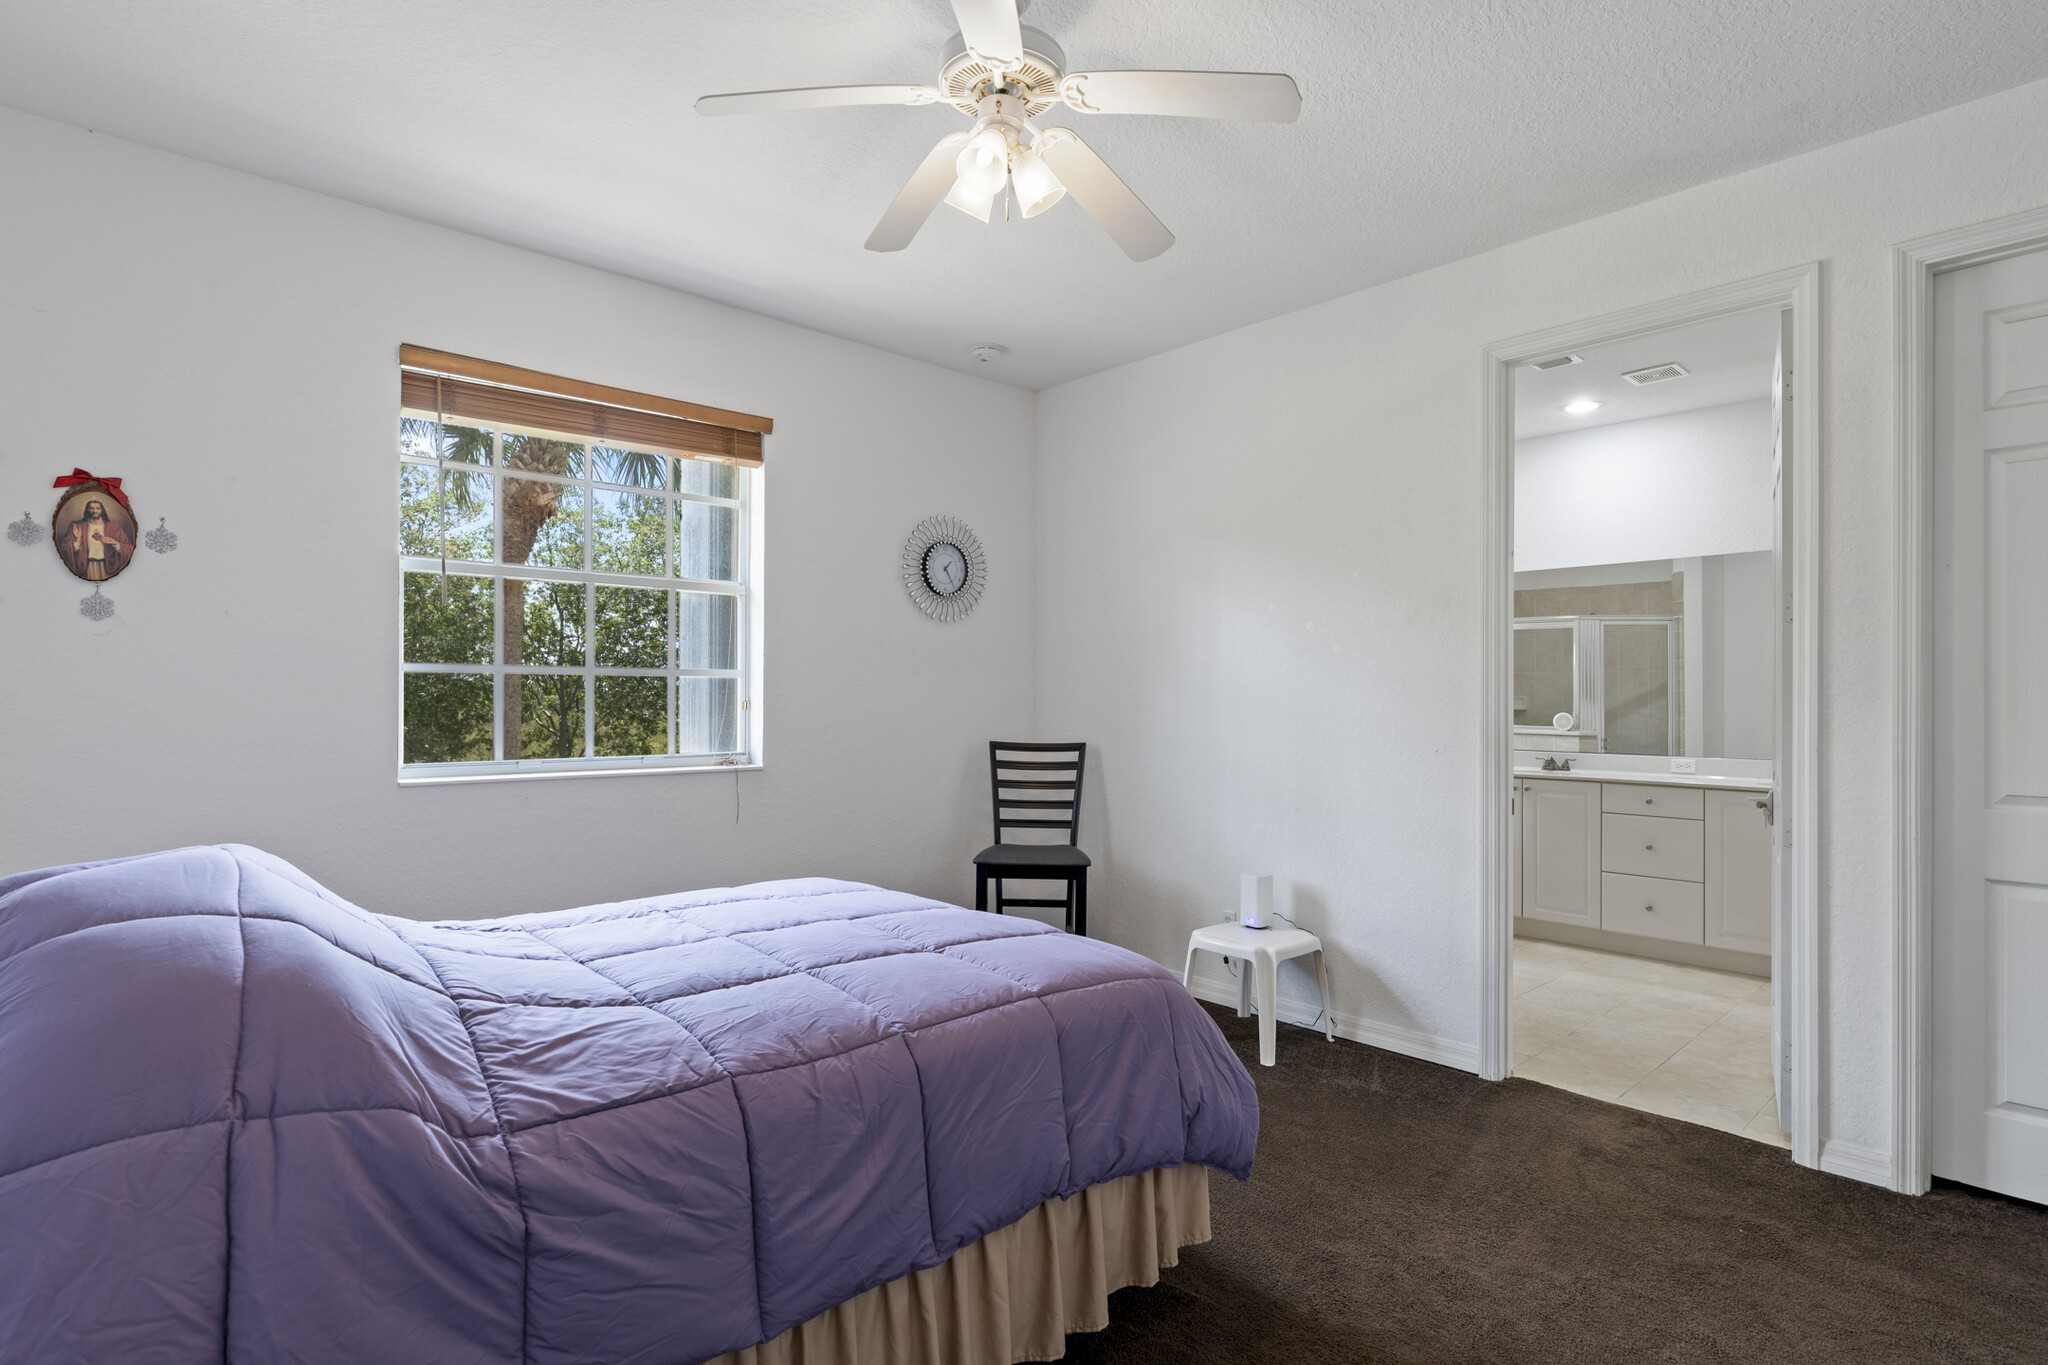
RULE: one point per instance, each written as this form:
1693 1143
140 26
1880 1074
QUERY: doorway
1649 930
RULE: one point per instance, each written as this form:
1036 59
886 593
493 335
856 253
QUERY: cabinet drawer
1652 906
1649 846
1672 803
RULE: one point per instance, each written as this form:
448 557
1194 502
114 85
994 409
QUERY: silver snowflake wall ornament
162 540
96 607
25 531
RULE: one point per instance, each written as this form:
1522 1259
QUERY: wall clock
944 569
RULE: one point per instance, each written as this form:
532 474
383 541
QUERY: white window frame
748 652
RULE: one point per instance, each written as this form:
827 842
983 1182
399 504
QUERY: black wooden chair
1044 781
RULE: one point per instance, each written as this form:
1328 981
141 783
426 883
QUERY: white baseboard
1427 1047
1856 1162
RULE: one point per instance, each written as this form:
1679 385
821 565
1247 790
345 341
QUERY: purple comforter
242 1119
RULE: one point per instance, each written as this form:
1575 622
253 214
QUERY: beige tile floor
1680 1041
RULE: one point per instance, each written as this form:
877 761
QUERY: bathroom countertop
1743 784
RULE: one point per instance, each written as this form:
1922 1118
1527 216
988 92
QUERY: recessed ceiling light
1579 407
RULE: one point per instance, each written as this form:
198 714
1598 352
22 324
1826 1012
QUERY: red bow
78 475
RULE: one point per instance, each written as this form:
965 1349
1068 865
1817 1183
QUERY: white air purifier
1255 900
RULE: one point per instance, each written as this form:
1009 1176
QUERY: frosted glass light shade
984 163
1038 189
968 202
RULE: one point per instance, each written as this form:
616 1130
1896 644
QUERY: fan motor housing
966 79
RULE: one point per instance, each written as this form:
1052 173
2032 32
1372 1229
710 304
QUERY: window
575 578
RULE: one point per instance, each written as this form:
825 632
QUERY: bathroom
1646 695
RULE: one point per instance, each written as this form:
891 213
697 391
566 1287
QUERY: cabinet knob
1649 800
1651 908
1649 848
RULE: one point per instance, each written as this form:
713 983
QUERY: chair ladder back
1050 783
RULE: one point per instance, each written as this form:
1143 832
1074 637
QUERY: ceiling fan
1004 75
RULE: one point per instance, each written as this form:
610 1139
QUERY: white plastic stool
1264 950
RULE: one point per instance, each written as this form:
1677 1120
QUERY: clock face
945 568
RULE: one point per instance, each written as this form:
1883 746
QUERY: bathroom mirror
1656 657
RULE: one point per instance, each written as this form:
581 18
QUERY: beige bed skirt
1015 1294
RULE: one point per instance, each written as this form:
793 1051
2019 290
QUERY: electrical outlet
1685 765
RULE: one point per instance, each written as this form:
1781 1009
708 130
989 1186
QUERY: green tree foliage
453 717
448 717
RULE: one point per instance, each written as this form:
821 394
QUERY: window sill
546 775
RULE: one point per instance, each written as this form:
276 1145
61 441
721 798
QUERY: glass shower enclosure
1616 676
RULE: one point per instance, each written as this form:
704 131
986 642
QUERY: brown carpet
1403 1212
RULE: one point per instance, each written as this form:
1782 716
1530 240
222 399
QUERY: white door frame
1797 776
1915 264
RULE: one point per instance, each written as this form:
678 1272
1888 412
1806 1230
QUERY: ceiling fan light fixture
968 202
1038 189
1002 74
984 162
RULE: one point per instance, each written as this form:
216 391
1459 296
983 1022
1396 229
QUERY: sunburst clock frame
944 568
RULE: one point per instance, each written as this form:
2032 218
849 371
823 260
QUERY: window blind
486 392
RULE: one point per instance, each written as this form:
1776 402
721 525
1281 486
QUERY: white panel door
1561 851
1738 900
1991 727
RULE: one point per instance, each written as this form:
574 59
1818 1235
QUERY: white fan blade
1108 200
992 32
816 97
1259 96
921 194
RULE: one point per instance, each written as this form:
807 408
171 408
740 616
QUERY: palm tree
525 507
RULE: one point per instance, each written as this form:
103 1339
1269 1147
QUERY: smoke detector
988 351
1557 362
1656 374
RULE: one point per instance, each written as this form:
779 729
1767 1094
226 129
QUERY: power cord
1232 964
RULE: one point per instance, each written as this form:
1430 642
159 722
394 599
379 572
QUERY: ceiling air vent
1556 362
1656 374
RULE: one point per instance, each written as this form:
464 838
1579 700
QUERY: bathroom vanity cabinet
1561 852
1652 869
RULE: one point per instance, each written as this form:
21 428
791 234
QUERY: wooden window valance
463 387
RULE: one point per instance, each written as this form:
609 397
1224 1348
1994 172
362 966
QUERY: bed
805 1120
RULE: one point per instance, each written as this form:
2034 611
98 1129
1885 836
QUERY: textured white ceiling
1432 129
1730 360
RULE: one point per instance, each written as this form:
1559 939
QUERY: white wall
1737 663
1260 562
228 346
1691 483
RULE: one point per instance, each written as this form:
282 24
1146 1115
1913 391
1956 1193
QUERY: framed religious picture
94 526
